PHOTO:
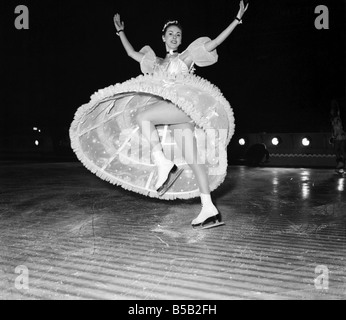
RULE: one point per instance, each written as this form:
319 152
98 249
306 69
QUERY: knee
141 117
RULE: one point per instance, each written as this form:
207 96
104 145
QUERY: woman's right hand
119 25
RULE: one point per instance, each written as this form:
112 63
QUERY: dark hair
171 23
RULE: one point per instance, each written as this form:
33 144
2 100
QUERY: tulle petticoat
106 138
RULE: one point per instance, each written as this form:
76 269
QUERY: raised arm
120 26
213 44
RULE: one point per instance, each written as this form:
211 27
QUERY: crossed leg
159 113
166 113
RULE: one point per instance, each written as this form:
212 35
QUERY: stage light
276 141
306 141
37 142
242 141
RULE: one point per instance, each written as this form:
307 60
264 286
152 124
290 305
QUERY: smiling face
172 37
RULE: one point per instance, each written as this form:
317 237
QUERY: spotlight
242 141
37 142
306 141
276 141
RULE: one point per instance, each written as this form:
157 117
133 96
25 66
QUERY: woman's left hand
119 25
242 9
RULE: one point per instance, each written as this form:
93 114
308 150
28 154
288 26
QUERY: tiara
168 23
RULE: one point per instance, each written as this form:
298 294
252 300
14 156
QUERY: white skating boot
167 174
209 216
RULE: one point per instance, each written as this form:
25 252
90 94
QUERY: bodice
151 64
173 65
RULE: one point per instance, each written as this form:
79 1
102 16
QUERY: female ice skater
163 134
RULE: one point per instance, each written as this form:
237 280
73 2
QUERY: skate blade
213 225
211 222
173 177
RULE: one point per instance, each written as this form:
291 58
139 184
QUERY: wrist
119 31
239 20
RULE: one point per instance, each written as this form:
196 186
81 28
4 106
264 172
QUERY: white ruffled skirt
106 138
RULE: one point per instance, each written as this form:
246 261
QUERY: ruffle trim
146 84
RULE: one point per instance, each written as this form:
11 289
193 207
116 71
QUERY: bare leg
166 113
162 112
186 141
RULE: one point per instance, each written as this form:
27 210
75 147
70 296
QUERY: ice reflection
341 184
275 183
305 191
305 178
274 200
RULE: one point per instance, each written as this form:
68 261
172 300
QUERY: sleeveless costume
106 138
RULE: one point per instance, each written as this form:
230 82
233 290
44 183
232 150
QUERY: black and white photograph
173 155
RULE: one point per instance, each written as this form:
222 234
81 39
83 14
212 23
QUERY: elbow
211 45
132 54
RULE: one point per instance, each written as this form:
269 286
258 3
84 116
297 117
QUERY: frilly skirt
106 138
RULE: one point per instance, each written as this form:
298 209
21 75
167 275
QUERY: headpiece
169 23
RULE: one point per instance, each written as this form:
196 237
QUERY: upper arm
138 56
211 45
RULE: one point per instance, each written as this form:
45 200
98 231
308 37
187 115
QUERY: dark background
277 70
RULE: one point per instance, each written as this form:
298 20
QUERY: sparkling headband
169 23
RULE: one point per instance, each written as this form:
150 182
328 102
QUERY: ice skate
173 175
209 217
167 174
